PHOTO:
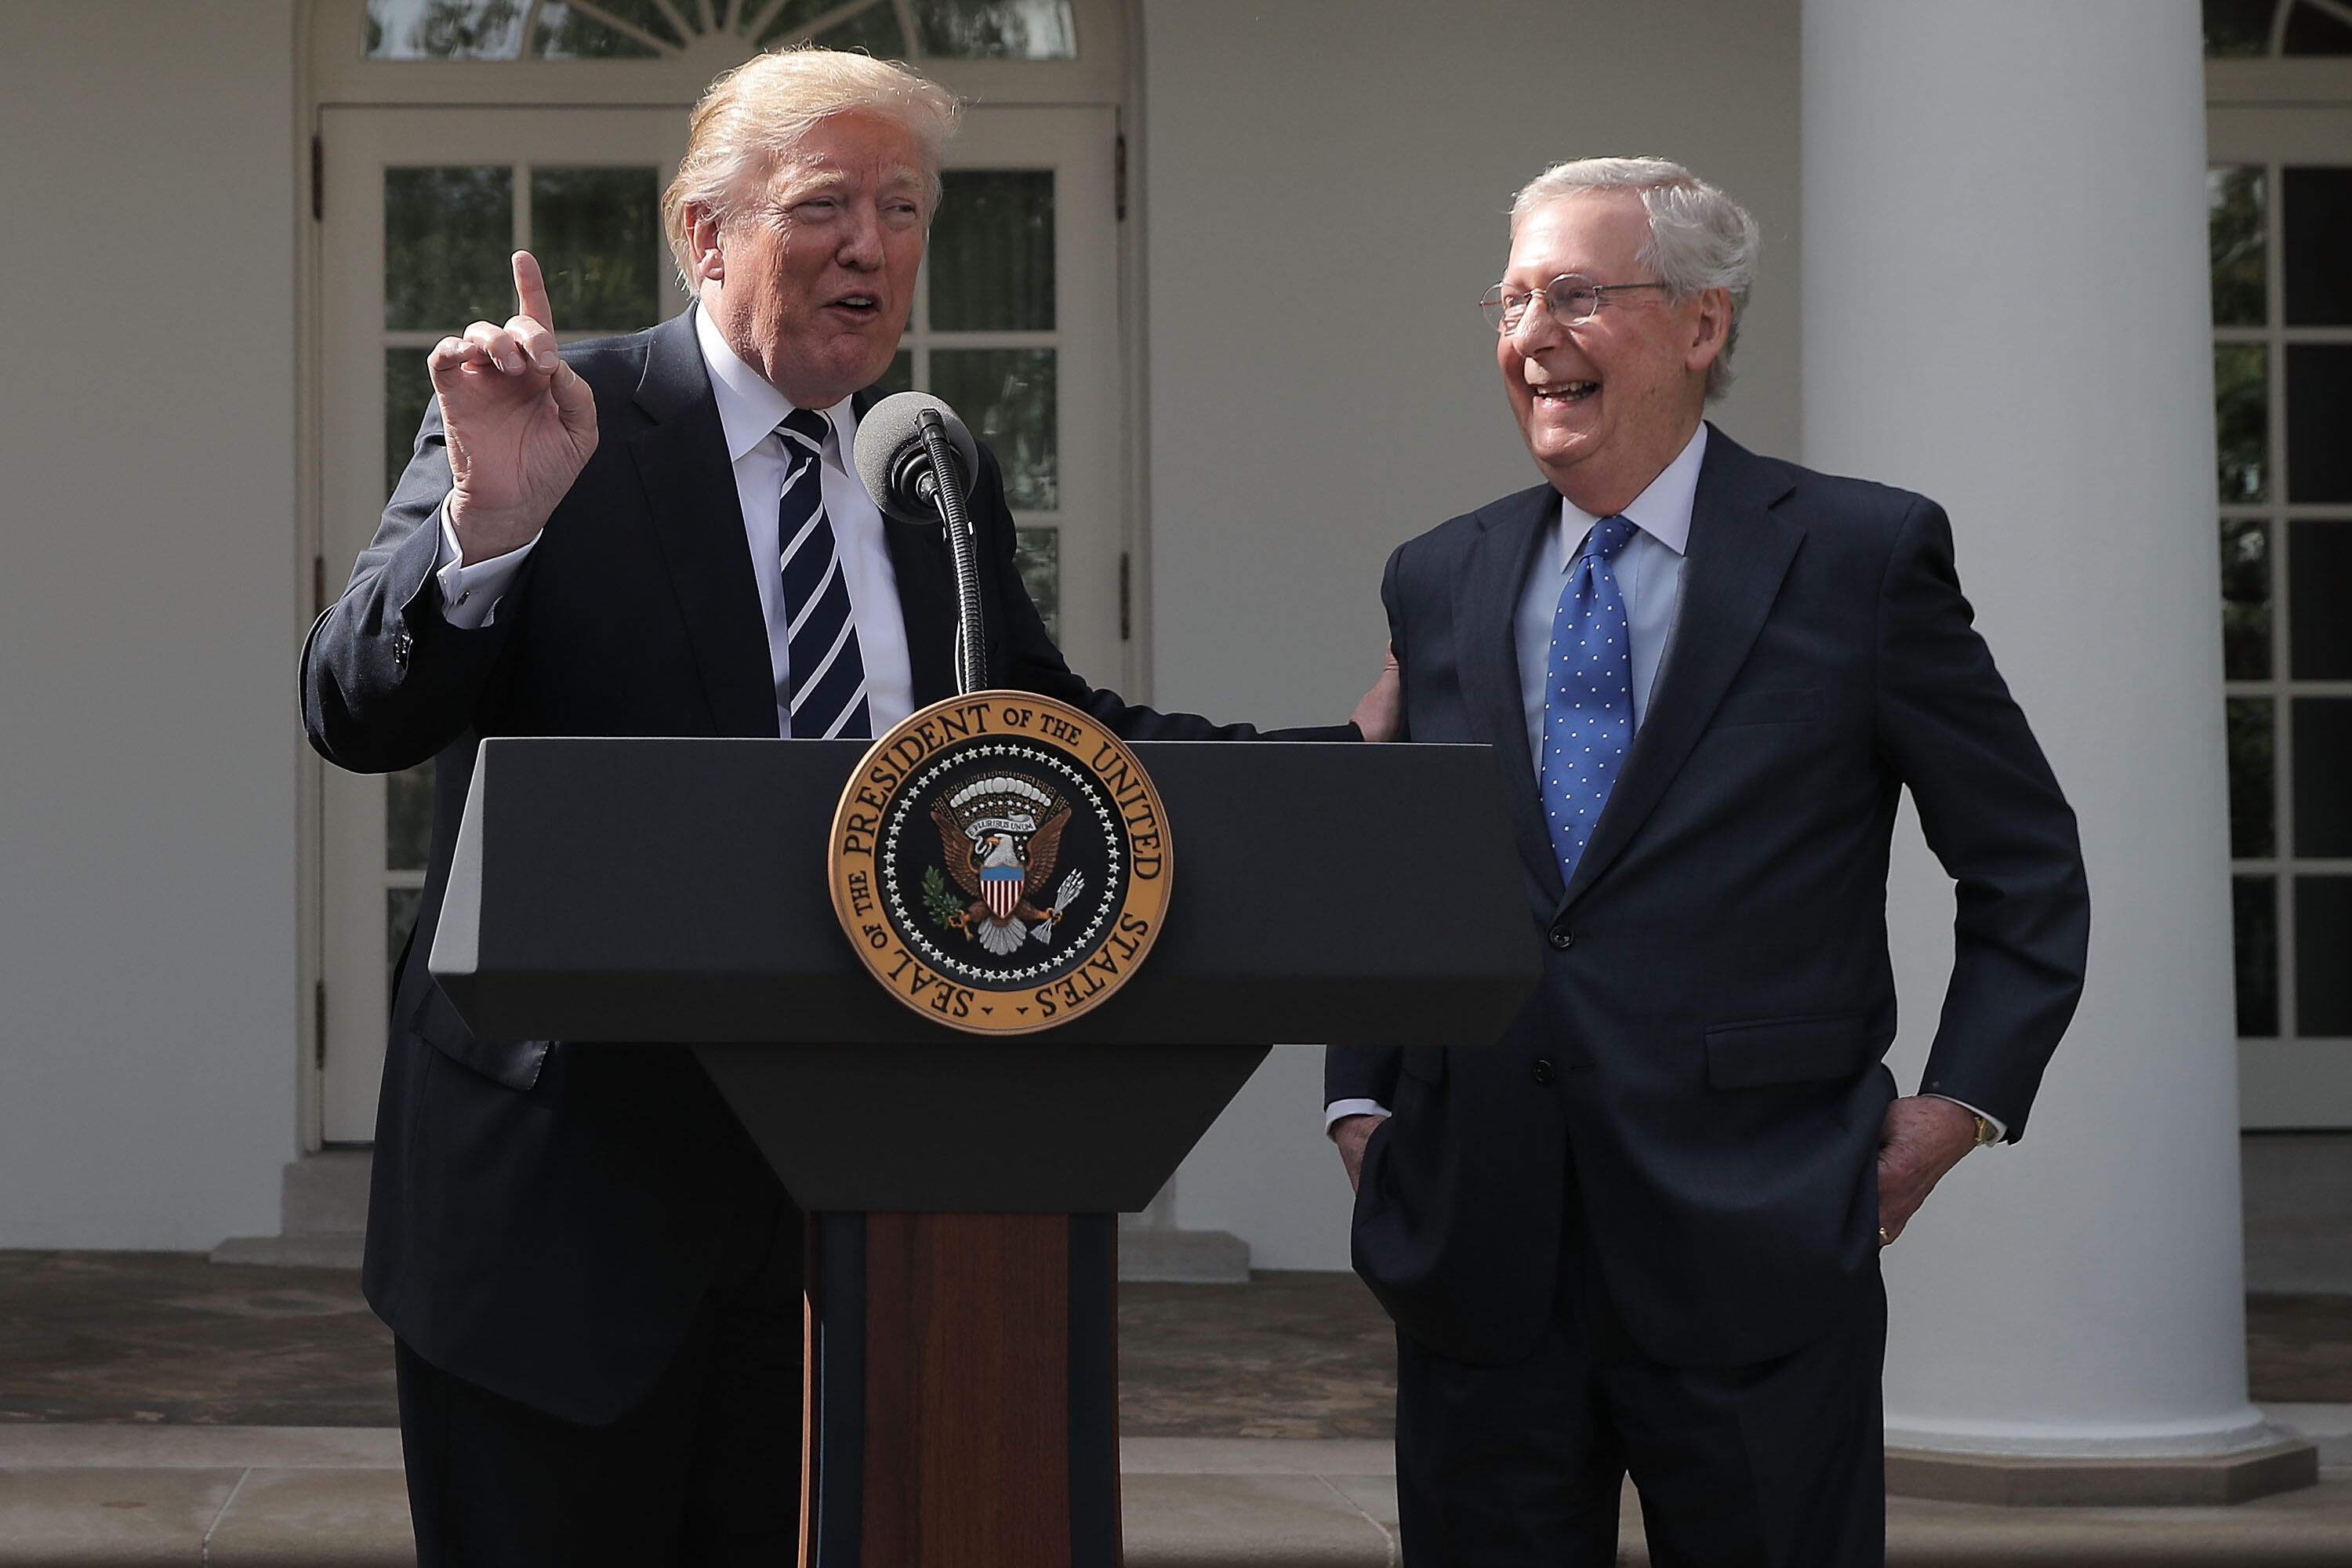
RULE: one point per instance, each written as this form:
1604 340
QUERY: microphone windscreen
886 431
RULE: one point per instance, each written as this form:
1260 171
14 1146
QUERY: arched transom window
670 29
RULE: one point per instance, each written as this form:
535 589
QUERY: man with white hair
1640 1235
593 1277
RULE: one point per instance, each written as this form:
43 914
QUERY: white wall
147 621
1326 189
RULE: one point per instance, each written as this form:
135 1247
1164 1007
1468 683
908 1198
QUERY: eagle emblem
1001 836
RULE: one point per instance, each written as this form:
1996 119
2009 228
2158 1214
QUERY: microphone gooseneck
918 460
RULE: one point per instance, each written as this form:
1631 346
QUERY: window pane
2241 423
2311 31
407 388
978 29
2323 936
2245 600
2323 780
900 376
407 817
399 919
1006 395
2319 422
791 20
2254 802
2318 240
565 34
2237 27
2233 232
874 29
1037 552
2321 586
445 29
2253 910
448 234
597 234
991 252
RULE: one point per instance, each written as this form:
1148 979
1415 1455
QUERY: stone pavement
155 1409
88 1496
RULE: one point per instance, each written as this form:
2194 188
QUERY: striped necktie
1588 696
821 663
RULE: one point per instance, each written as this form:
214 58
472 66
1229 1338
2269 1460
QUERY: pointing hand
521 423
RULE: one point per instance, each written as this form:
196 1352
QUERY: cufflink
1987 1133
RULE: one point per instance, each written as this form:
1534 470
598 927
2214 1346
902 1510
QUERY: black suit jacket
545 1216
1716 993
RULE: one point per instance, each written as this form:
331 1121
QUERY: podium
962 1382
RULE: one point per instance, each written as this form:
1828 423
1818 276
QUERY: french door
1017 325
2280 197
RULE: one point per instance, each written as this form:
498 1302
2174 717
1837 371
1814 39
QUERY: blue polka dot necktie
1587 695
822 665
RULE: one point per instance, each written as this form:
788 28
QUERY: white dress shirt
748 411
1649 573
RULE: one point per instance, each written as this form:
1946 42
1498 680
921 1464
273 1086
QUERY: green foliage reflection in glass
597 234
646 29
2245 601
1037 555
873 30
447 233
1007 397
407 388
566 33
2234 234
996 30
991 252
2241 424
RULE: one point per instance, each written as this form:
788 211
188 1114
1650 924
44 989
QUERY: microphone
917 461
897 465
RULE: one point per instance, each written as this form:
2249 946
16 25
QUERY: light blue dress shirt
1649 575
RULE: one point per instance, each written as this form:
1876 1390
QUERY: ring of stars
1101 906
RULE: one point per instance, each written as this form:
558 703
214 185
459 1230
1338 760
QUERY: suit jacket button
1562 938
1542 1071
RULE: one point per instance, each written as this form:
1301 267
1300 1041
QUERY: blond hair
752 116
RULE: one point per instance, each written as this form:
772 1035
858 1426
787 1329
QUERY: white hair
1699 237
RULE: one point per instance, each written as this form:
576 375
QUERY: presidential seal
999 862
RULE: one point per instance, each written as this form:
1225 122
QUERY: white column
2005 307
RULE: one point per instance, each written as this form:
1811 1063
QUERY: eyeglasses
1572 298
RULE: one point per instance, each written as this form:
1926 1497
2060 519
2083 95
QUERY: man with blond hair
593 1277
1640 1234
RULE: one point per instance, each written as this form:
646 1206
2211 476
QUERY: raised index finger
531 289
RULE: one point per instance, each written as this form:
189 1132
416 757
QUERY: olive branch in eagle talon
1003 851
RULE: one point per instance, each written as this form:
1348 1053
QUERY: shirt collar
1662 511
749 409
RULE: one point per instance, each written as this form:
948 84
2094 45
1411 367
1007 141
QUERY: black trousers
1780 1464
702 1473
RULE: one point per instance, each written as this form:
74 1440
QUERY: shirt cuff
1339 1108
470 594
1999 1130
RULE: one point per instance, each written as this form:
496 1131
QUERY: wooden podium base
962 1392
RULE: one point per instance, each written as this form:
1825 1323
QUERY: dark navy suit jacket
1704 1052
545 1217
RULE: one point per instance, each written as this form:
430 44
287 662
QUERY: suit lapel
1740 550
690 489
1486 619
